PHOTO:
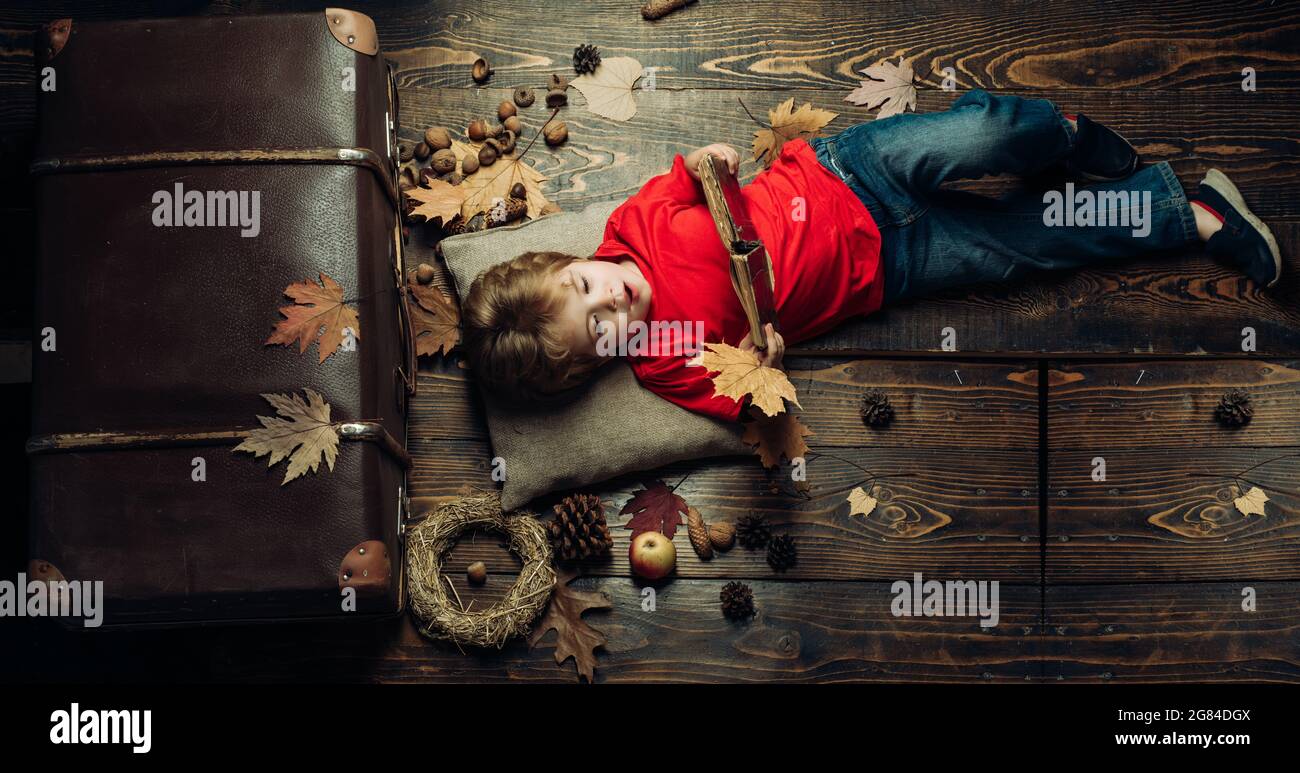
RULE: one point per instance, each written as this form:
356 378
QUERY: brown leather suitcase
150 345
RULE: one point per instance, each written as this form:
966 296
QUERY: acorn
481 71
437 137
469 164
524 96
506 109
477 572
488 154
556 98
494 130
557 83
424 273
405 151
507 141
455 178
513 124
556 133
444 161
477 130
517 191
722 536
422 151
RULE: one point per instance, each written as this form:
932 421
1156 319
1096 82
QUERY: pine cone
752 531
781 552
1234 409
506 211
698 531
876 410
737 601
586 58
579 529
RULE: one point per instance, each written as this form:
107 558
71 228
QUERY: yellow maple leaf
491 184
1252 502
441 201
775 436
303 433
860 502
739 373
788 124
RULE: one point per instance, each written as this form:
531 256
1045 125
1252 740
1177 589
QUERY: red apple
652 555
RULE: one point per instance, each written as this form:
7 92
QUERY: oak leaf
739 373
1252 502
318 310
860 502
435 317
304 434
891 88
788 124
441 201
574 638
608 90
655 508
776 436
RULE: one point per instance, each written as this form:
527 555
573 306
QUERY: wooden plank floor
987 473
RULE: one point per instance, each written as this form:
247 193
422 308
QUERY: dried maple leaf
891 88
777 436
608 90
1252 502
739 373
788 124
492 183
441 201
860 502
655 508
574 638
436 318
304 434
315 307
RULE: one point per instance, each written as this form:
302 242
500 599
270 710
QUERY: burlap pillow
580 443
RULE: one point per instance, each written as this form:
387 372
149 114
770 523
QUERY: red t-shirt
824 246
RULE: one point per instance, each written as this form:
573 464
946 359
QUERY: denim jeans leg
963 239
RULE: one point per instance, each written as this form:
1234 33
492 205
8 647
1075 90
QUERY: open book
751 268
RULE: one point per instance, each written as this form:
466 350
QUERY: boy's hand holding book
723 150
771 355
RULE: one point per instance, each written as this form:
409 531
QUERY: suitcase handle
404 373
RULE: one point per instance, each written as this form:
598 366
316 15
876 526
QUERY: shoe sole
1220 182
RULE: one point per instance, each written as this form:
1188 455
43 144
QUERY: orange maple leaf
318 311
775 436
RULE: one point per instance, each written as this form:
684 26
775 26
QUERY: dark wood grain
937 403
805 632
963 513
1182 632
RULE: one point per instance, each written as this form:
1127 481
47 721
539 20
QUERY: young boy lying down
851 222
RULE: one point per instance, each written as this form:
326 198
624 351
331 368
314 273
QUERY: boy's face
600 298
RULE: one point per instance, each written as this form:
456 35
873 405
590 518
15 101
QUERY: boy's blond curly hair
509 329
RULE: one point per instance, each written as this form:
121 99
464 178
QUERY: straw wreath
427 544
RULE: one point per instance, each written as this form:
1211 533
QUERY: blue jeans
933 239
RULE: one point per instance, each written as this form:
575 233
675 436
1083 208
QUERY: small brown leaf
738 373
891 88
776 436
574 638
304 434
788 124
655 508
435 316
316 307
